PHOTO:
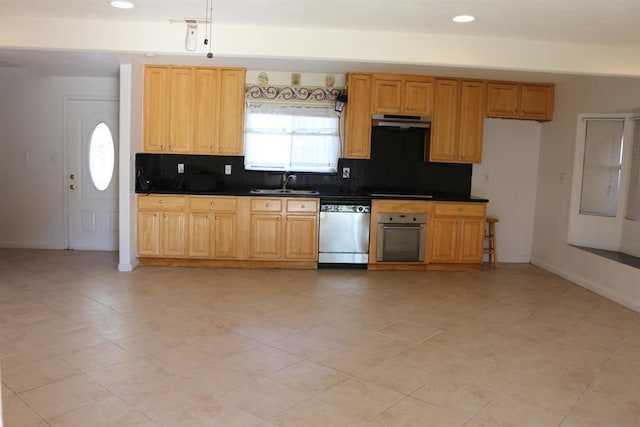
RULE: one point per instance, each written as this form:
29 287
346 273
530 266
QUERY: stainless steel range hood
404 122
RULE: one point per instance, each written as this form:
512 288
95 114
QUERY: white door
92 174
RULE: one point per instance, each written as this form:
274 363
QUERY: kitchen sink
280 191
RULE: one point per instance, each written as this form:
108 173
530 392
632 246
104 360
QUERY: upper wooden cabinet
357 144
193 110
527 101
402 94
168 109
458 115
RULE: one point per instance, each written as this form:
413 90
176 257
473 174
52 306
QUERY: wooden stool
490 237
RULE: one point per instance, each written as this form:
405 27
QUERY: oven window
401 244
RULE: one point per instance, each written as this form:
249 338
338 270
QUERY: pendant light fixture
208 26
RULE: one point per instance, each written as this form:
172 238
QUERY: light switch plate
227 169
180 167
346 173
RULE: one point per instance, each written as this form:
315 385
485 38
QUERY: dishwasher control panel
345 208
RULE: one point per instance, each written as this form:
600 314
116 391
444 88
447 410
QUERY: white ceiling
614 23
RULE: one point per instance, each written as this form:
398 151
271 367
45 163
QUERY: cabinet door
226 236
357 144
387 96
199 234
231 112
443 145
173 234
536 102
471 239
418 98
148 233
472 94
181 101
503 99
444 240
266 236
302 237
155 109
206 110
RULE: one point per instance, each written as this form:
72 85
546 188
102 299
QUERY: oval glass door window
101 156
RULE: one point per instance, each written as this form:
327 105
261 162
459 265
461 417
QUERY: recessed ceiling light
463 18
122 4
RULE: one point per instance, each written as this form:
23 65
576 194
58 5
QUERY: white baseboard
598 288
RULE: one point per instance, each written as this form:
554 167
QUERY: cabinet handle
301 206
216 218
212 203
162 146
171 147
455 222
155 215
267 204
279 217
220 149
211 147
160 201
164 215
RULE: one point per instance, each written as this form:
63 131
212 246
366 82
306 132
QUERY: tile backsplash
396 164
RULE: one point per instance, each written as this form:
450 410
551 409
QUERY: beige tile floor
84 345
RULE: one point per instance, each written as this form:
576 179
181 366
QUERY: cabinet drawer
161 202
302 205
266 205
455 209
213 204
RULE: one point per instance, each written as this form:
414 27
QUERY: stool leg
494 248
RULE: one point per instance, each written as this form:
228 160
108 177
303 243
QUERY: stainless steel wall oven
401 237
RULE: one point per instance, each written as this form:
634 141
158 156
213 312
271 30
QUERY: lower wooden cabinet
161 226
458 233
284 229
213 227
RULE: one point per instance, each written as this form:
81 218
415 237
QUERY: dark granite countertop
325 193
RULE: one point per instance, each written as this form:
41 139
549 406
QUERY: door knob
72 186
72 176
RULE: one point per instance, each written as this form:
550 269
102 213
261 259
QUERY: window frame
589 230
296 110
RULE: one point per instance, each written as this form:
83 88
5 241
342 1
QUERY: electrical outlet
346 173
227 169
180 167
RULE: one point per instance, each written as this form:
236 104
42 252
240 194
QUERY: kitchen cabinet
284 229
527 101
458 233
161 226
213 227
403 95
457 124
168 109
193 110
357 143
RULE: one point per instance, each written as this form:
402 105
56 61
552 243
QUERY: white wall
507 177
550 249
32 154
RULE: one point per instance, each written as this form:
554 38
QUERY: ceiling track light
209 18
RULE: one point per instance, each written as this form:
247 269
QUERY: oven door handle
400 226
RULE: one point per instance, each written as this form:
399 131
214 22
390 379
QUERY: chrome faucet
285 180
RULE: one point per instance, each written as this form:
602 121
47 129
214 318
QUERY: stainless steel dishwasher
344 232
